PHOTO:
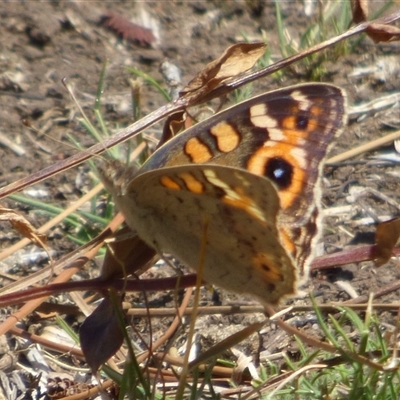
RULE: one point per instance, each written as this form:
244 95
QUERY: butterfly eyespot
302 122
279 171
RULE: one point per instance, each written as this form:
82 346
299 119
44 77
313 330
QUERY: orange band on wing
287 242
198 151
227 137
191 183
169 183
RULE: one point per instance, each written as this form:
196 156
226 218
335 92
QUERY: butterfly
239 193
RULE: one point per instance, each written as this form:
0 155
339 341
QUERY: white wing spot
276 135
302 99
259 117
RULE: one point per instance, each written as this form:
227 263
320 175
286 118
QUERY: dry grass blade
98 148
53 222
63 277
17 149
374 144
33 304
229 342
318 344
77 256
34 278
61 348
206 310
374 105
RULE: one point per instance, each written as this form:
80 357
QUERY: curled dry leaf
383 33
174 124
377 32
126 29
235 60
243 363
23 226
359 10
386 237
127 254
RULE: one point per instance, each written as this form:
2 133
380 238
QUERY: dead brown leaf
386 237
174 124
383 33
23 226
377 32
126 255
359 9
101 334
235 60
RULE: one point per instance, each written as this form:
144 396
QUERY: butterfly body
239 193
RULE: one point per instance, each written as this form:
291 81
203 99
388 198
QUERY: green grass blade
149 79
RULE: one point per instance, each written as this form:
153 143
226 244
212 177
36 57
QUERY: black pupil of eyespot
302 122
279 171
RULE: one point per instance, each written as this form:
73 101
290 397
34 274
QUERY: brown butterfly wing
226 215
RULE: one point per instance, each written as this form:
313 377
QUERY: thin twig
364 148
